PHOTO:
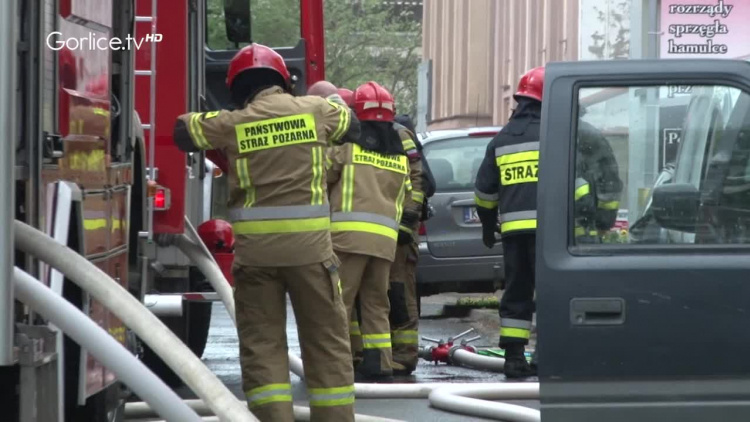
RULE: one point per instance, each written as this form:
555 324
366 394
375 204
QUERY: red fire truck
100 83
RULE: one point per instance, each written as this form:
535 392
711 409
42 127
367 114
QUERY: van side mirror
237 21
676 206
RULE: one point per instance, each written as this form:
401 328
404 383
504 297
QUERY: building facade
477 49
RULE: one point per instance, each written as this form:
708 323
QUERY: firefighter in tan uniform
404 316
275 145
371 191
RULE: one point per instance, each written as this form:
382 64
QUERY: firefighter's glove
404 238
410 219
488 236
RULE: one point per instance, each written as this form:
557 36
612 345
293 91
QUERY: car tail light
162 199
422 229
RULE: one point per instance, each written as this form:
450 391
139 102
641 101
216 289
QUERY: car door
647 332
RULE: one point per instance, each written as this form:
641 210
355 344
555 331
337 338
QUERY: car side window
661 165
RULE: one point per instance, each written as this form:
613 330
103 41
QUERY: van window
454 162
633 140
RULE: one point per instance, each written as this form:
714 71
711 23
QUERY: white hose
473 360
102 346
141 410
208 267
134 315
465 401
212 272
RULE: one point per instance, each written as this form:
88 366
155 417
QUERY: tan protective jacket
278 200
367 191
413 203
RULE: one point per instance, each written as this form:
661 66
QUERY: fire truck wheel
198 324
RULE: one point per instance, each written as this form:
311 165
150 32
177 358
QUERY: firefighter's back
278 198
367 201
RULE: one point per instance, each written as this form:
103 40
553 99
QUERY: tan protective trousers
404 316
367 277
315 293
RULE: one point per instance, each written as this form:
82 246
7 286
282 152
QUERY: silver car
452 257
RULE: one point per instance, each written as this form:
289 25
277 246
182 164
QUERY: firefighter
404 315
507 178
347 95
278 204
322 89
325 89
598 185
371 188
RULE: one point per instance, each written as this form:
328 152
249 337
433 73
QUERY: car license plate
470 215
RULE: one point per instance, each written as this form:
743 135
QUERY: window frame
737 117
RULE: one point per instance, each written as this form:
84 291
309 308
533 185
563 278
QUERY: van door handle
597 311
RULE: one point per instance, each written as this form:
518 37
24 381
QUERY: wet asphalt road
221 356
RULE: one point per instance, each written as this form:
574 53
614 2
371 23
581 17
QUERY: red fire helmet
347 95
373 102
257 56
217 235
531 84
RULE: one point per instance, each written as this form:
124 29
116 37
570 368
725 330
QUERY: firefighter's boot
516 365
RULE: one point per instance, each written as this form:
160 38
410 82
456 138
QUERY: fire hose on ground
134 315
441 396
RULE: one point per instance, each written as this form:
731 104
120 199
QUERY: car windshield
454 162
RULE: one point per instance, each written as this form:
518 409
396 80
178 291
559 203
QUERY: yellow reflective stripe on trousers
243 175
417 196
347 188
196 132
327 397
519 328
405 229
354 328
405 337
316 186
518 220
514 332
376 341
282 226
344 121
270 393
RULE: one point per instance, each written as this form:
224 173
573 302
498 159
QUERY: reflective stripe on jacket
275 146
507 178
367 196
